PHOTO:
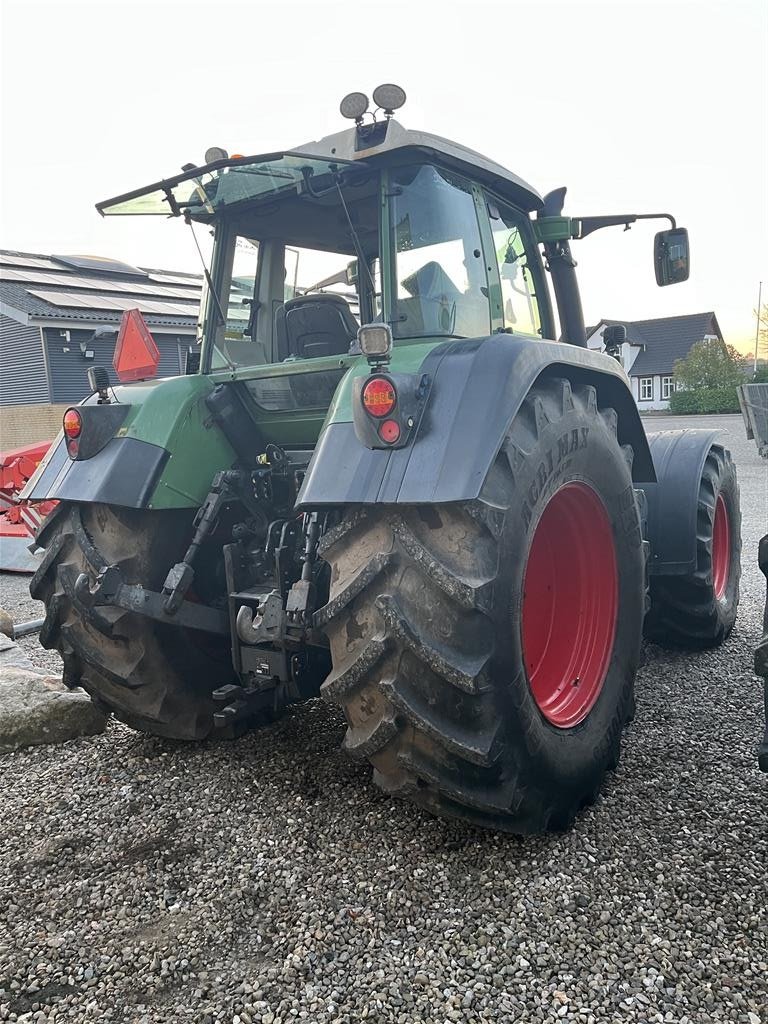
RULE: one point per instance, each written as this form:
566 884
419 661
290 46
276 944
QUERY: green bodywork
172 414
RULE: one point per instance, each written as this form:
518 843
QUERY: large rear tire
484 653
154 677
698 610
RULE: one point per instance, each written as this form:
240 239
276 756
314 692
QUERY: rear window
296 390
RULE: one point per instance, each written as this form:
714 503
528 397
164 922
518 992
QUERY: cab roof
390 139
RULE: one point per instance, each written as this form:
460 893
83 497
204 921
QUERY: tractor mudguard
124 472
157 446
678 459
476 389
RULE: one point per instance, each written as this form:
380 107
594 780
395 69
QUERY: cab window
520 304
440 285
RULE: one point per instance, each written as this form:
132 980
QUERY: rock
11 655
35 708
6 623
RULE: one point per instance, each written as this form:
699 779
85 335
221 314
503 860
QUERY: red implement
19 521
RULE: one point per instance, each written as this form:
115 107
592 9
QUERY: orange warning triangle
136 354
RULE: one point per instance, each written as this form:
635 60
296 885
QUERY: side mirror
352 272
671 257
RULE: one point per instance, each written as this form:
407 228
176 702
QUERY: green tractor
386 483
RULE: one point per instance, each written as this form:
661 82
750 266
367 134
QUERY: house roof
664 340
38 289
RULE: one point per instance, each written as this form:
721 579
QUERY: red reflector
72 423
379 397
136 354
389 431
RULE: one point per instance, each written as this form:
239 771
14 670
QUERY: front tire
469 689
698 610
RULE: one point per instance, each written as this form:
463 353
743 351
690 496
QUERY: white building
651 350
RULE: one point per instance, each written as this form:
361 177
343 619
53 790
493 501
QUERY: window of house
667 386
646 389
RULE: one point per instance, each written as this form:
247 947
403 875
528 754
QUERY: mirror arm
586 225
583 226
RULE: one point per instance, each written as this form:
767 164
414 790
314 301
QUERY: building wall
23 376
68 367
25 424
657 403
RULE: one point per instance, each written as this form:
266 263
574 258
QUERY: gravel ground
268 880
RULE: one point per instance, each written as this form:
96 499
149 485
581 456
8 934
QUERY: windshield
204 191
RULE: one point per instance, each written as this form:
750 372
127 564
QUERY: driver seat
312 326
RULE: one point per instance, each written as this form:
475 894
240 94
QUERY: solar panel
117 302
190 281
98 284
19 260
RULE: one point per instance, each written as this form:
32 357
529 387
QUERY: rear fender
678 458
157 446
476 389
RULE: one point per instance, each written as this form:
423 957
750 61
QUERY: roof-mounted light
354 105
389 97
214 153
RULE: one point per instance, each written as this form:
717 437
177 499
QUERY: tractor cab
362 227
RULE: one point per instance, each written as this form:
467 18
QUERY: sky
635 106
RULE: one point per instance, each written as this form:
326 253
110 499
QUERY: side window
233 345
241 288
440 285
518 288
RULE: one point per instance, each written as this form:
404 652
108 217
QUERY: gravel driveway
268 880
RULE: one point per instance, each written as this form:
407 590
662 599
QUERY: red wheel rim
721 548
570 605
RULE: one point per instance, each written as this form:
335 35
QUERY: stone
6 624
36 708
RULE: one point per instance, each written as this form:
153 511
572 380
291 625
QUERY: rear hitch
180 576
266 624
239 705
109 589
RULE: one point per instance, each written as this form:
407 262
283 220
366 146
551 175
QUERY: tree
708 376
710 364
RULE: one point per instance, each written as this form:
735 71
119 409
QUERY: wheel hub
721 548
570 605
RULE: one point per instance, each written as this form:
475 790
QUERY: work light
375 342
354 105
389 97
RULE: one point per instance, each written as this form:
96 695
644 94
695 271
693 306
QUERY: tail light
72 424
389 431
387 407
379 397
